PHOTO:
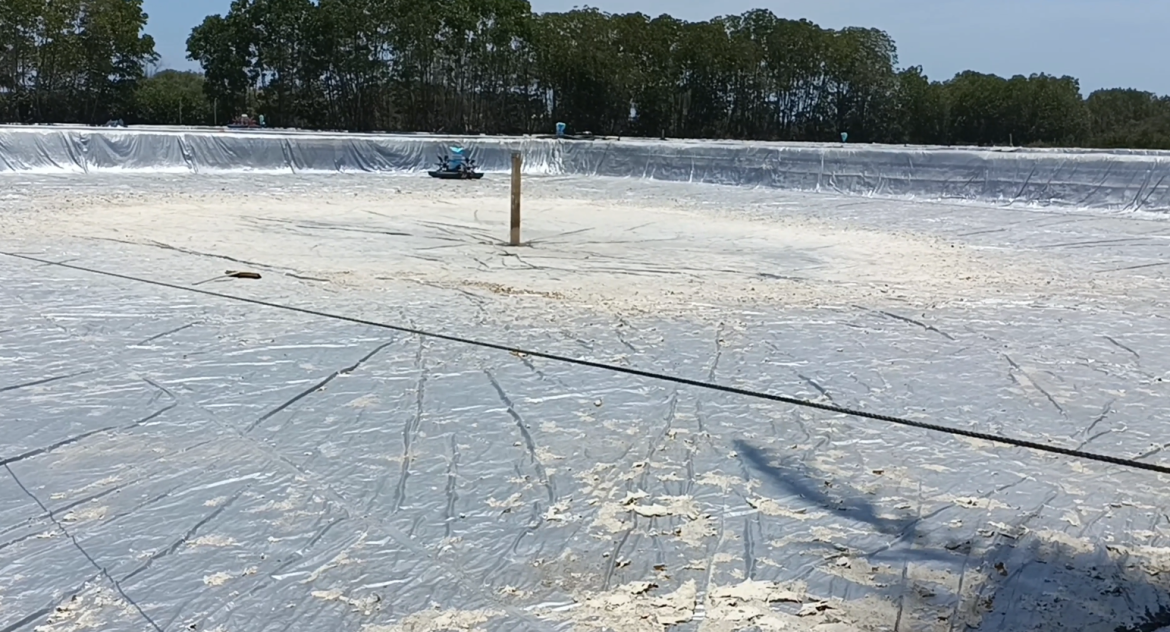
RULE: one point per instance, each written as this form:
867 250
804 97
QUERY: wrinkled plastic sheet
1130 180
174 460
177 460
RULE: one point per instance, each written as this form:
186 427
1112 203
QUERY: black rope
1019 443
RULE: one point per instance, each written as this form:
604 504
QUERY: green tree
863 79
585 71
920 110
1053 112
283 38
1129 118
71 60
354 54
112 56
977 106
223 47
494 66
171 97
795 53
656 74
705 60
18 27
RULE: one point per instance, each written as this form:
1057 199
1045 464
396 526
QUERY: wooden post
516 162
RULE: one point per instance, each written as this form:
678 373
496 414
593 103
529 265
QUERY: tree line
495 67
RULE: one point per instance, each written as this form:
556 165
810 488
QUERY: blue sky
1106 43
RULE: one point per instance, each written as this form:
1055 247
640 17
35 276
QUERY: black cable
1019 443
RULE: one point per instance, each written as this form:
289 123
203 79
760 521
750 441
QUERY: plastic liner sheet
1120 180
178 462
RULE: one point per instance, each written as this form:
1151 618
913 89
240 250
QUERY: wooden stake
516 162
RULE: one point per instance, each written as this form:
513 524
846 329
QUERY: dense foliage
493 66
71 60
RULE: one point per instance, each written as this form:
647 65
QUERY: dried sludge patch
632 256
643 606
